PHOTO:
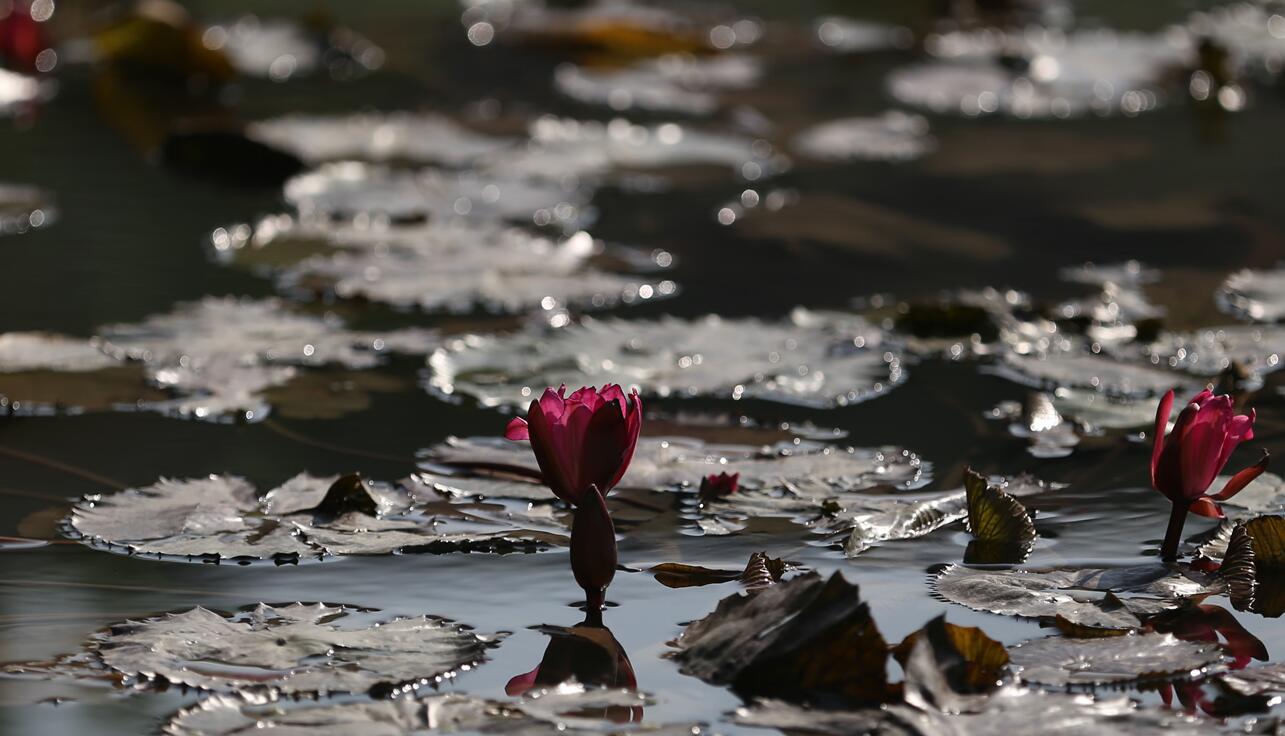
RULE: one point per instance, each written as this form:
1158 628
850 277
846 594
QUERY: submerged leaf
1060 662
803 638
809 360
294 649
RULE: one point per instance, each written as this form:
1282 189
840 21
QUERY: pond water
724 197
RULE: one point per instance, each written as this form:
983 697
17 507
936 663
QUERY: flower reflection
588 654
1207 623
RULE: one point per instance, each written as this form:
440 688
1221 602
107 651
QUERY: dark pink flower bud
593 547
719 486
582 440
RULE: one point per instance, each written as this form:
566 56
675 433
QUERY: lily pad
854 36
893 136
223 518
1255 295
455 267
222 354
1077 368
22 208
17 91
1059 661
410 137
290 650
351 189
1002 530
568 709
796 639
1254 350
673 83
1059 75
802 361
1012 710
562 149
1075 594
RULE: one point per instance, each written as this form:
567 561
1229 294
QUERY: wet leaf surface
223 518
803 637
222 354
1072 593
563 710
1002 530
456 267
1058 661
893 136
290 650
803 361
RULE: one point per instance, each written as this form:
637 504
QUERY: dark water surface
130 239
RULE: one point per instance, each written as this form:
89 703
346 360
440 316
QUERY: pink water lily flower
582 440
1185 463
583 444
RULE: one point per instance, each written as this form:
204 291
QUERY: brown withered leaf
802 639
975 662
1002 530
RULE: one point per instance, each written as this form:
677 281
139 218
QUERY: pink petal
517 430
1203 506
1202 446
521 683
1158 440
1238 481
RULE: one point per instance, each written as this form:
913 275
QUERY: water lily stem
1177 518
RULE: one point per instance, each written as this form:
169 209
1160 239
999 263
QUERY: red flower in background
719 486
22 38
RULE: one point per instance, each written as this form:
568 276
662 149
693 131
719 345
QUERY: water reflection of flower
588 654
1207 623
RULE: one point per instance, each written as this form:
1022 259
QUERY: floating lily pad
411 137
1059 661
351 188
1037 420
853 36
568 709
290 650
1126 273
223 518
1254 350
803 361
1072 593
795 639
1250 33
1010 711
267 47
1058 76
455 267
676 83
17 91
222 354
1269 678
893 136
561 149
1255 295
22 208
1077 368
